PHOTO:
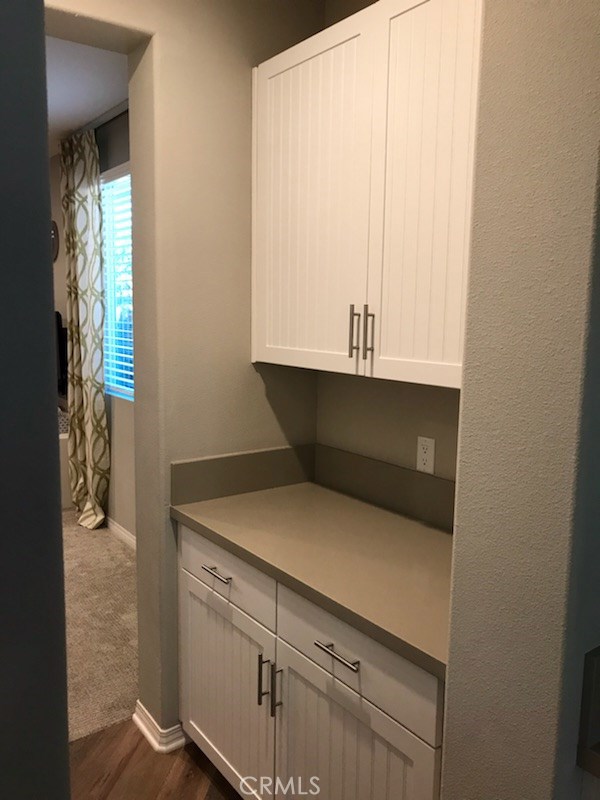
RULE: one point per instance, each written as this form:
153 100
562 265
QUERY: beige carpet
101 627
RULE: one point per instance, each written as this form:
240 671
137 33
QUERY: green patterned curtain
89 457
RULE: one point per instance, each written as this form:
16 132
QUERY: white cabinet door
327 731
219 675
423 129
312 151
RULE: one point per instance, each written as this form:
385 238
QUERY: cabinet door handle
274 702
213 571
261 662
368 349
352 348
329 649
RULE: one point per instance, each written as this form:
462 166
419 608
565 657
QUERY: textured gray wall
536 168
121 495
33 694
382 419
196 392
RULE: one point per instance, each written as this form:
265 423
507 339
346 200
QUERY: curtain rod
112 113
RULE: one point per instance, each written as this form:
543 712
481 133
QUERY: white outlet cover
425 454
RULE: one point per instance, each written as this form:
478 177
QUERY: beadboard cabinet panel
424 113
327 731
312 151
219 647
590 788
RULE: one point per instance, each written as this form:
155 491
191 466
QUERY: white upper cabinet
423 126
363 160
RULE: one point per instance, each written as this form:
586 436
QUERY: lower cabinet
331 738
264 712
220 682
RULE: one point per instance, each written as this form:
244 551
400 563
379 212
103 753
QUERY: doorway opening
90 182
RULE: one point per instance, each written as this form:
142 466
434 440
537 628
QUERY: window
118 281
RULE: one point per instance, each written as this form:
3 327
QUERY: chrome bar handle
352 348
367 317
274 702
261 693
213 571
328 648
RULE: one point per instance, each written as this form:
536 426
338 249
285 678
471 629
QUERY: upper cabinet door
425 91
312 151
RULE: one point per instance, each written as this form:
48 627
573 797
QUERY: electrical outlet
425 454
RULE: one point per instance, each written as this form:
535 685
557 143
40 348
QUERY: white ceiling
83 83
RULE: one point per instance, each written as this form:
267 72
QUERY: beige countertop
387 575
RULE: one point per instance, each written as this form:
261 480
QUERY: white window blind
118 281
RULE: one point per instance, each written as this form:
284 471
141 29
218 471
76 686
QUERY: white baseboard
120 532
163 740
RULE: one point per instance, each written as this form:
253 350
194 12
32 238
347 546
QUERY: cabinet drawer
243 585
407 693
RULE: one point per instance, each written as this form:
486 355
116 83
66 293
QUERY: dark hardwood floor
119 764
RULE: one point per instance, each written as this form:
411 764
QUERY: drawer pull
328 648
261 693
366 348
274 701
213 571
352 348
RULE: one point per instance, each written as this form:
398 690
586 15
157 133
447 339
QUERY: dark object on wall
588 754
54 240
61 358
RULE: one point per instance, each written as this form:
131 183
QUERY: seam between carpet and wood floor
101 616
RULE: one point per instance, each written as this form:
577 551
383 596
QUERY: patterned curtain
89 457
